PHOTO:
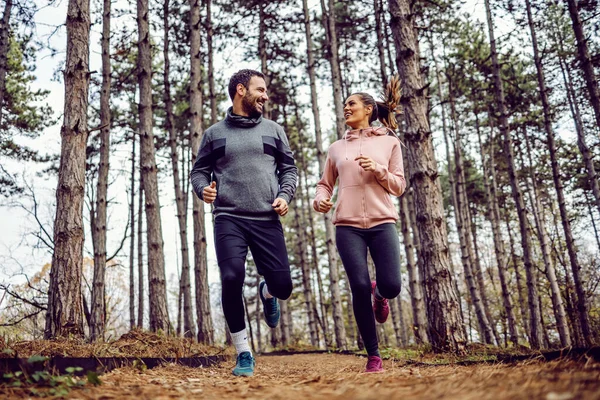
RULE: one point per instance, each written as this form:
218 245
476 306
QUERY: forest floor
337 376
409 374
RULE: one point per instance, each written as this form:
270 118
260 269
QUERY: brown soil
335 376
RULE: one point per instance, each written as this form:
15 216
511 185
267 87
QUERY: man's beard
249 106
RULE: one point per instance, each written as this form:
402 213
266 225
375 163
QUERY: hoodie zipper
362 176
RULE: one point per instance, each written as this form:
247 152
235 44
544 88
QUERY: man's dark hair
243 76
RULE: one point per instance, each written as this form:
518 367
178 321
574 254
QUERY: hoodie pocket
349 204
379 204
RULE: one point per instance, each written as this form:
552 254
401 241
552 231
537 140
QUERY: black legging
233 237
382 242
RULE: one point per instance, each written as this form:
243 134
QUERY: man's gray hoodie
252 164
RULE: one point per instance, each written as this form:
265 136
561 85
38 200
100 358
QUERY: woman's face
356 113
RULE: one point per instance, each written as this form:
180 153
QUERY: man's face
255 98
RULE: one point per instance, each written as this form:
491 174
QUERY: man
245 167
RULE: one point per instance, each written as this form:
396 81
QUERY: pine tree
64 316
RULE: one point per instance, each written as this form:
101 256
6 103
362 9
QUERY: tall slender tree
157 289
98 309
4 46
180 199
205 327
64 315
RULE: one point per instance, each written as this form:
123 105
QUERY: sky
16 251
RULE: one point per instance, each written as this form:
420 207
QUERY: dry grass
135 343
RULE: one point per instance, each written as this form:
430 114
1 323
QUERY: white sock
265 292
240 341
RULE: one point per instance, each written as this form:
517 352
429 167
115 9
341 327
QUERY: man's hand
209 193
325 206
366 163
280 206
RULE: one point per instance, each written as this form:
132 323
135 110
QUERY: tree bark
140 251
536 338
64 315
332 257
378 7
205 326
180 198
159 313
132 243
98 310
332 55
493 212
592 85
211 68
4 46
442 304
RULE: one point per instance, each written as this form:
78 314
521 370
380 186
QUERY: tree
180 200
159 314
205 328
98 312
64 316
442 304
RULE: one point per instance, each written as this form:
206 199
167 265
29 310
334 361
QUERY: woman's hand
366 163
325 206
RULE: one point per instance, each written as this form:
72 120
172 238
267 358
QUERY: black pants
265 239
382 242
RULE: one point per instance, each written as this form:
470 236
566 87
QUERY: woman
368 164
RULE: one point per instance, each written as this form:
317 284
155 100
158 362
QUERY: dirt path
332 376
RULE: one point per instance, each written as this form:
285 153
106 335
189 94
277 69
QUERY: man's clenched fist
209 193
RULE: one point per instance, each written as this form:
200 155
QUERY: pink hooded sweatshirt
363 199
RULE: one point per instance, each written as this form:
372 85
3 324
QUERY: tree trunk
262 51
4 46
518 279
283 323
332 55
302 254
205 326
132 243
98 310
559 310
378 7
332 257
211 68
536 338
594 92
415 283
159 313
493 212
442 304
140 250
180 198
64 315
